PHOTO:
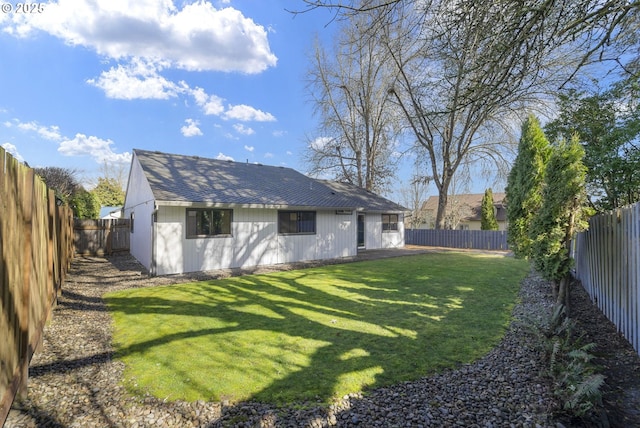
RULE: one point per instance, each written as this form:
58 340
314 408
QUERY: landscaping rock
74 382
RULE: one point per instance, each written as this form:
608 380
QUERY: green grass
313 334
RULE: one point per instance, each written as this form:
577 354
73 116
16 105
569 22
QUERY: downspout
154 231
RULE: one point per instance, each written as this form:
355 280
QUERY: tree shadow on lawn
309 335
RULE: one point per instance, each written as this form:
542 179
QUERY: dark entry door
361 230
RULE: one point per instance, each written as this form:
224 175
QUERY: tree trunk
561 308
564 292
442 210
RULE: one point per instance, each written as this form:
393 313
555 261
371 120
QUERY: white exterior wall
139 200
375 238
394 239
373 231
254 241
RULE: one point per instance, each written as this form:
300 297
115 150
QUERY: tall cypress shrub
488 220
524 186
563 213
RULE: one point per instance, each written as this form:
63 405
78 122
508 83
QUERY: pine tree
524 186
561 215
488 220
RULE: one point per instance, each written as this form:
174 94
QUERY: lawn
313 334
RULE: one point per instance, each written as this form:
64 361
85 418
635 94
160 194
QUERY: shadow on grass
315 334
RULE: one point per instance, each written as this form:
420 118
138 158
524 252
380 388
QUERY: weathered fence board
608 265
469 239
101 237
35 250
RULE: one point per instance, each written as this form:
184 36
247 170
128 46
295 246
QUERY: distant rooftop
472 202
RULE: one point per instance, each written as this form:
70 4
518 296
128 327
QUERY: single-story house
189 214
464 211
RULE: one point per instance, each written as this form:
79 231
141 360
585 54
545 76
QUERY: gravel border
75 383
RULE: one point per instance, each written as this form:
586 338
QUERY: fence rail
469 239
36 246
101 237
608 265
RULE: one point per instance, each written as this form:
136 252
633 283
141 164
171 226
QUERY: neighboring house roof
472 202
180 178
110 212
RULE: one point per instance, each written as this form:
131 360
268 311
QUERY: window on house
302 222
203 222
389 222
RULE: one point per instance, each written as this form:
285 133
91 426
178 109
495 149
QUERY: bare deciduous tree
413 197
467 69
358 126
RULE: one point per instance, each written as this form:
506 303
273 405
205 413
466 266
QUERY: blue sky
84 82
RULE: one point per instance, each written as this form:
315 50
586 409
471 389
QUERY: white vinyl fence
608 264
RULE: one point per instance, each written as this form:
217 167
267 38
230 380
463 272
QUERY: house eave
204 204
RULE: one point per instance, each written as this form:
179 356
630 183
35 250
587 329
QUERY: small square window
389 222
205 222
296 222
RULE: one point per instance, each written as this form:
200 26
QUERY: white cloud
13 150
191 128
268 155
51 133
196 37
249 148
138 79
289 152
222 156
247 113
279 133
210 104
100 150
97 148
241 129
320 143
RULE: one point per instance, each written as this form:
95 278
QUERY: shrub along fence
36 246
101 237
607 259
469 239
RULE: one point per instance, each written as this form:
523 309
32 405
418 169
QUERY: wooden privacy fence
607 259
469 239
101 237
36 246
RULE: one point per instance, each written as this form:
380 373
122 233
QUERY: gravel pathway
75 383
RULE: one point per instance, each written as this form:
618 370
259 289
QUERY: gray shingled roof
363 199
180 178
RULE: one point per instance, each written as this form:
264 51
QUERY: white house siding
139 201
375 238
394 239
335 237
254 241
